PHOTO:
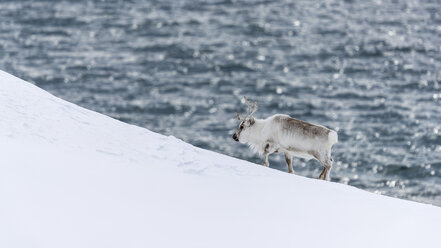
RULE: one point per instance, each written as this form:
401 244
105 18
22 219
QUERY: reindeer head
245 122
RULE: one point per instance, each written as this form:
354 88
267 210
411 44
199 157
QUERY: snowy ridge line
71 177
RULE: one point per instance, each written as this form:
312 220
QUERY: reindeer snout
235 137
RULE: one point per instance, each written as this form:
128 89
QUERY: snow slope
70 177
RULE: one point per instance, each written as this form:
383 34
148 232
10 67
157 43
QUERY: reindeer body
281 133
285 134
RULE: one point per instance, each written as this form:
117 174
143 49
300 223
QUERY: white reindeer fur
270 134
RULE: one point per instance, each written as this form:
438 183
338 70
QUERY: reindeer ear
252 121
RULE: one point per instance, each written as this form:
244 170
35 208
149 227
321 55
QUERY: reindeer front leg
266 153
288 160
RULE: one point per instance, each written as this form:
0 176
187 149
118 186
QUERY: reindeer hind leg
327 166
328 169
323 174
325 163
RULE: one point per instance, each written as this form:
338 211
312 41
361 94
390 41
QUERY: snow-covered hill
70 177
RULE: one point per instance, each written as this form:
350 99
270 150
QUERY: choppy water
370 69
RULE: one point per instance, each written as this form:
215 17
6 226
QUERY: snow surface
70 177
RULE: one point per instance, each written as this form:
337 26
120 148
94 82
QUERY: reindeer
281 133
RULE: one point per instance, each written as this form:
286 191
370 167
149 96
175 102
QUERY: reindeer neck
256 130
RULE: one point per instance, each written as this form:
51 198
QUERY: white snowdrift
70 177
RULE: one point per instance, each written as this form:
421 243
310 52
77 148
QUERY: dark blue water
370 69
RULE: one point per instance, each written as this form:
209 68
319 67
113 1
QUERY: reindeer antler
249 105
238 116
255 107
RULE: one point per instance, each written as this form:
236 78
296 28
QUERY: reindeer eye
241 126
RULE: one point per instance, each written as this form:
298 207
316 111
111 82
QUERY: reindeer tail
332 137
